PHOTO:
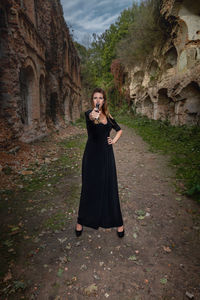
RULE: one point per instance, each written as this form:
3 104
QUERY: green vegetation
148 29
181 143
96 60
131 38
56 221
49 174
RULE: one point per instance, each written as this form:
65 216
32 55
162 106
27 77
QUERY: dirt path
158 258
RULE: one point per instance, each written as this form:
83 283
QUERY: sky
91 16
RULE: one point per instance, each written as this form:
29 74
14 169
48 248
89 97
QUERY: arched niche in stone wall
79 75
147 107
154 70
165 106
188 109
3 18
67 103
30 62
76 106
53 107
125 78
71 106
27 83
170 58
136 82
189 12
42 93
79 104
65 56
73 68
70 61
76 70
138 77
3 27
138 107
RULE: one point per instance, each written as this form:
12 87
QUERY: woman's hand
95 114
110 141
117 136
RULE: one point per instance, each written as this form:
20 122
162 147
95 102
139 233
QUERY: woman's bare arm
115 139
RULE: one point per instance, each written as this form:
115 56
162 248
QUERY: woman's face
98 98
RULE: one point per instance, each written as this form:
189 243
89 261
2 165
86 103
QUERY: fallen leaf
140 212
15 228
62 240
163 280
140 217
133 257
167 249
135 235
26 172
178 199
107 295
189 295
7 277
59 273
83 267
91 289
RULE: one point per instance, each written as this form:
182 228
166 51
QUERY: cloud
96 24
92 16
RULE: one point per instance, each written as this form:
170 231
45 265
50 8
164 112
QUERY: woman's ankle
120 228
79 226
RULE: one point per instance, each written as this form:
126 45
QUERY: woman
99 202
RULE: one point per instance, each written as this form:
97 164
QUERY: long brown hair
105 109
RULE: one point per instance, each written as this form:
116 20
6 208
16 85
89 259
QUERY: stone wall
39 68
168 86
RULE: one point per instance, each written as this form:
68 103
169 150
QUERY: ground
158 258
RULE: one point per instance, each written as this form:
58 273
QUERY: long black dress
99 201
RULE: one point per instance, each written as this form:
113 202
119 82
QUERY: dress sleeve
115 125
87 115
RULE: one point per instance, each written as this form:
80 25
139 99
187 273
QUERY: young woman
99 202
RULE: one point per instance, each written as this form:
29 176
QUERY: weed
56 221
181 143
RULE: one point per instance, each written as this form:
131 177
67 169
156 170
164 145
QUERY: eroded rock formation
39 68
168 86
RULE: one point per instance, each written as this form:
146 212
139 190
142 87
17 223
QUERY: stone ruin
40 86
168 86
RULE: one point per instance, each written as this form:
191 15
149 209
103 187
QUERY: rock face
167 87
39 68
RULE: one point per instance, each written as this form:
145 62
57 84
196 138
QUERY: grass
51 173
181 143
55 222
35 203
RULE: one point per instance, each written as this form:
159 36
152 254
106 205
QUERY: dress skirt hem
100 225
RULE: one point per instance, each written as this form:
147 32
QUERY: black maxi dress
99 201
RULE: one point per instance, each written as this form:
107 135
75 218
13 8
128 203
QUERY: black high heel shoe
79 232
120 233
